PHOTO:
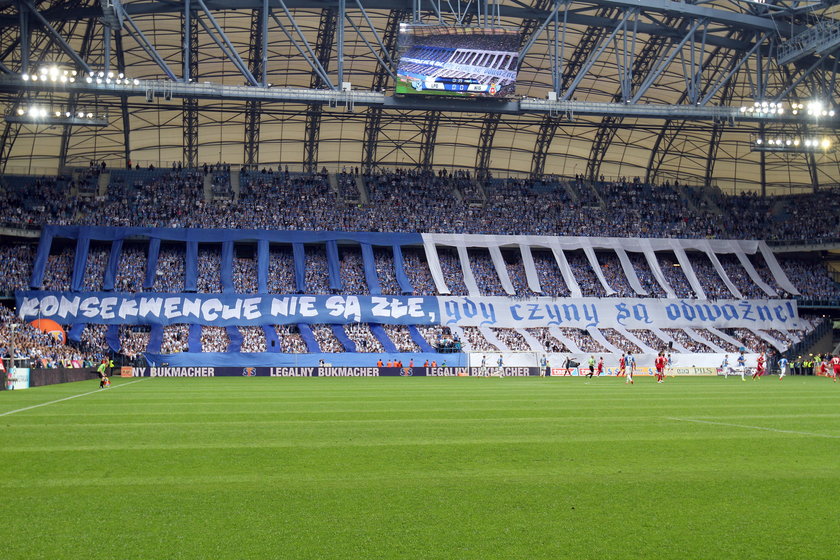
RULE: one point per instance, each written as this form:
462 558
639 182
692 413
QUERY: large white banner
627 313
621 245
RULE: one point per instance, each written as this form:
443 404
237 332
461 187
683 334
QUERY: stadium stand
405 200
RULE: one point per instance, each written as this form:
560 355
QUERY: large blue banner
224 309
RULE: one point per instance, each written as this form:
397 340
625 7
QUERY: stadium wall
42 377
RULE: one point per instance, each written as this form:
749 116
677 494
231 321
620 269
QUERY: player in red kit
621 366
835 364
600 369
759 367
659 364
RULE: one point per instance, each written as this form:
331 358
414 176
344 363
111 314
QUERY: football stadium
495 279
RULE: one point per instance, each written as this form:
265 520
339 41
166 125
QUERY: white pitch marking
67 398
755 428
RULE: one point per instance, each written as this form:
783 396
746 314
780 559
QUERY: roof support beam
715 136
24 39
516 10
485 145
564 72
380 79
654 75
323 52
428 140
126 124
11 129
73 98
307 53
256 57
529 29
225 44
632 76
59 40
190 106
593 57
144 43
673 128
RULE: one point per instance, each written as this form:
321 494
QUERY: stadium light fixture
43 115
793 144
57 75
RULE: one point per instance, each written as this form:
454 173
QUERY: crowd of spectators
253 339
347 187
401 338
812 280
686 341
384 262
209 270
42 349
281 271
132 270
175 338
548 273
245 275
93 336
582 339
673 273
548 342
97 262
405 200
134 340
648 337
17 262
725 345
326 339
59 270
749 340
220 186
514 341
170 270
214 339
439 337
365 340
316 271
290 339
614 275
352 272
620 341
476 342
418 272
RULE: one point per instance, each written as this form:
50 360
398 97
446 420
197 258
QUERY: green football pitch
421 468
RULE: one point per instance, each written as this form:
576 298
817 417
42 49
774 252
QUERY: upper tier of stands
414 201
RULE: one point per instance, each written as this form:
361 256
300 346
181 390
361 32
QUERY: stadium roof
647 55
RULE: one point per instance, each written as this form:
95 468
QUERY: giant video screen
457 61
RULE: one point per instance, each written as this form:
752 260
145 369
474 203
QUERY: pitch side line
813 434
67 398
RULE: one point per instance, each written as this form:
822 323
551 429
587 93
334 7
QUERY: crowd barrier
25 378
41 377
